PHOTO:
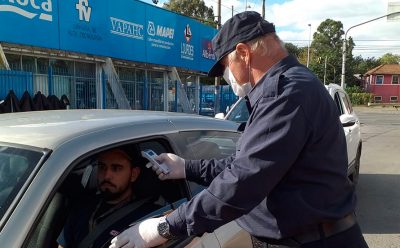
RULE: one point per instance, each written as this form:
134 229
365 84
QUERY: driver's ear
135 172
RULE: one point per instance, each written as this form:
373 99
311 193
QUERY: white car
351 125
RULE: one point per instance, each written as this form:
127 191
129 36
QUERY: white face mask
239 90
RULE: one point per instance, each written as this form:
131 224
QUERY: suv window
339 103
239 112
346 102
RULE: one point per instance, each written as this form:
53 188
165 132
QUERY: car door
81 183
208 145
350 124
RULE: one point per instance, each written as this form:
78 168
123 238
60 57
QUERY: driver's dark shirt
85 216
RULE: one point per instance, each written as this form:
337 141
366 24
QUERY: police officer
287 183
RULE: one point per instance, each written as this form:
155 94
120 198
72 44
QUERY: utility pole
217 79
219 14
326 61
334 70
263 9
308 48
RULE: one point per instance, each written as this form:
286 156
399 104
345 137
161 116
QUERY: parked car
46 164
239 113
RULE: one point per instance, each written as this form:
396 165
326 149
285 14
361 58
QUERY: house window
379 79
377 98
395 79
393 99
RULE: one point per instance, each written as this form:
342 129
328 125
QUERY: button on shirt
289 172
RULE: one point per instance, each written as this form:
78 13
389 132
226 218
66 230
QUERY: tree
361 66
327 45
193 8
293 49
389 58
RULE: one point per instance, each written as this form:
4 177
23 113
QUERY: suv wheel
356 174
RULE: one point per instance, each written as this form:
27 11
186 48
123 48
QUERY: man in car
116 174
287 183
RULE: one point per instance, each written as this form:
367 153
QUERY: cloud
291 19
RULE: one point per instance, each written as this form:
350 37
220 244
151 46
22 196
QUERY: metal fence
75 80
143 89
18 81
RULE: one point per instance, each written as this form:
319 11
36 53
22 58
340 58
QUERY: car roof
48 129
333 87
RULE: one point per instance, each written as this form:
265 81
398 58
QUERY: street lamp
345 45
309 44
247 6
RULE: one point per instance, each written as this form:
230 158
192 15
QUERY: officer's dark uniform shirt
86 216
289 172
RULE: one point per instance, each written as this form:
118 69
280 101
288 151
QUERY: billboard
32 23
124 29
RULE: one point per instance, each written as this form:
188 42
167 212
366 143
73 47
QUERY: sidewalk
375 109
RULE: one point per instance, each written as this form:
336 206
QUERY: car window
80 185
15 167
339 103
239 112
346 102
205 145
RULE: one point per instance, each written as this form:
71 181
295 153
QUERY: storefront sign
124 29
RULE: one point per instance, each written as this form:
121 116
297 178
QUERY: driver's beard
111 196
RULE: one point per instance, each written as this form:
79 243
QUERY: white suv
348 118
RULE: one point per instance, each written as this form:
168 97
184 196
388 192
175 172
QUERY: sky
292 19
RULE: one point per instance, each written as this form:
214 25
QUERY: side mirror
347 120
220 116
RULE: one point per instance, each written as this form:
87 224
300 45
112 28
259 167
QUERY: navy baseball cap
241 27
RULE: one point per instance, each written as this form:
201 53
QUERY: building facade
383 83
106 54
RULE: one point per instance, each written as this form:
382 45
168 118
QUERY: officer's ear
243 51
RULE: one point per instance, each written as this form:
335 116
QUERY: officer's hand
142 235
175 164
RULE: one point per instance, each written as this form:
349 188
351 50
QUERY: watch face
163 229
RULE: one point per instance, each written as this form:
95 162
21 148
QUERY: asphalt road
378 191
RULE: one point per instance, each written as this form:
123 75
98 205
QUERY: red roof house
383 83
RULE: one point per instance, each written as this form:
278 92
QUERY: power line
378 40
228 7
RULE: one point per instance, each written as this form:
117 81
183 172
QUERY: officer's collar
267 86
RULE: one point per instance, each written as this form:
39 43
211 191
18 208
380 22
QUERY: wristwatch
163 229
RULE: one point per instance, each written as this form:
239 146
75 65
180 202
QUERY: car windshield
16 165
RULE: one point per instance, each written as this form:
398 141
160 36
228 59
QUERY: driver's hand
142 235
175 164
